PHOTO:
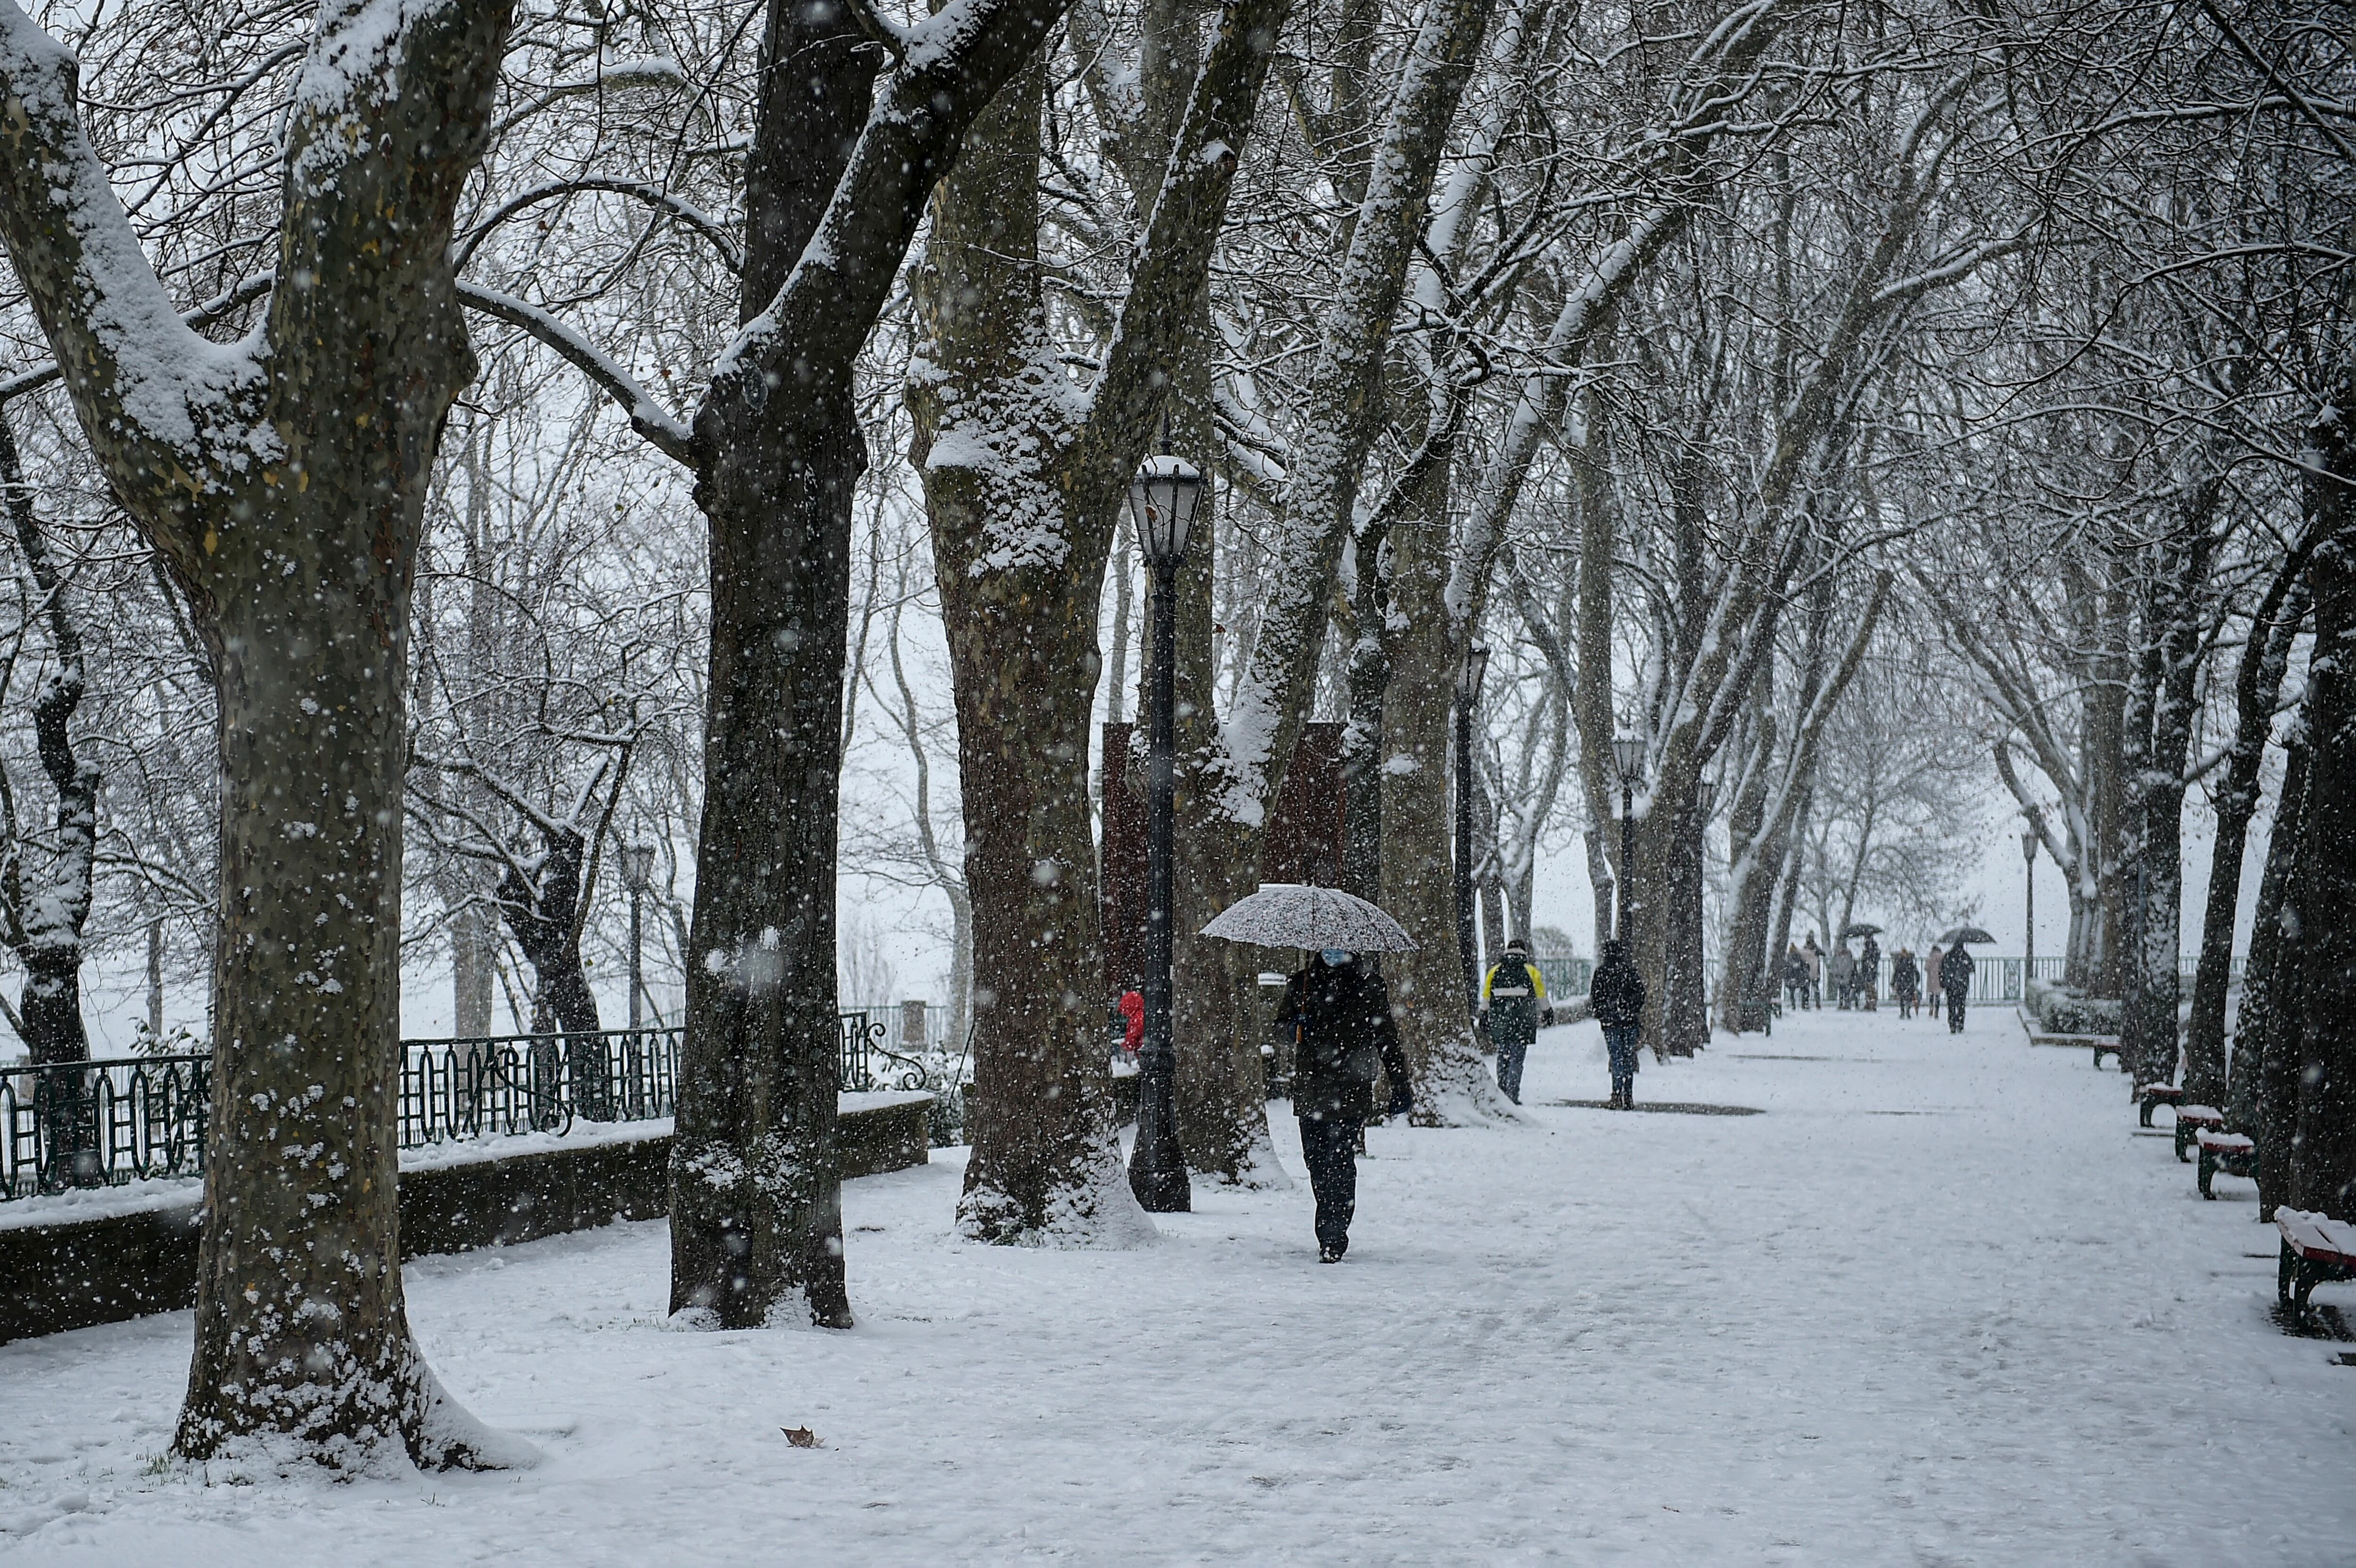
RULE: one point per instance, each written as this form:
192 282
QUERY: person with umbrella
1348 1037
1617 998
1511 996
1955 973
1905 981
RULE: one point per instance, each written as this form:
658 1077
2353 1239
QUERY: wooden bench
2233 1153
2101 1043
2191 1120
2149 1094
2316 1249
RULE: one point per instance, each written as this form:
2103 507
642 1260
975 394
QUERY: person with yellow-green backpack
1512 997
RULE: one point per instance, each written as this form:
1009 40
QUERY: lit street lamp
1468 696
637 875
1162 500
1628 754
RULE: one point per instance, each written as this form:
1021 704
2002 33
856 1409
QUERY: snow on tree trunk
1454 1084
2257 685
1018 600
2323 1159
45 921
756 1185
2265 1055
285 479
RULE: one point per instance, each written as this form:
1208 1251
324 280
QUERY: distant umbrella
1965 933
1289 914
1860 928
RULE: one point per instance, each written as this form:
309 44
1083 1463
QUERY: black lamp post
1162 500
2028 899
637 875
1628 755
1468 696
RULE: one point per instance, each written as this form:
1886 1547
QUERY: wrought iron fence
88 1124
1993 979
96 1123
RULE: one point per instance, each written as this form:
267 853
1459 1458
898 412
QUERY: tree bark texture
756 1186
2323 1157
1453 1084
2257 687
284 479
1023 474
2266 1062
45 924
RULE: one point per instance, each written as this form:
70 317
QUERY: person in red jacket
1132 1012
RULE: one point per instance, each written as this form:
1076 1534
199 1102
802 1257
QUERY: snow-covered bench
2233 1153
2102 1045
2316 1249
2191 1120
2149 1094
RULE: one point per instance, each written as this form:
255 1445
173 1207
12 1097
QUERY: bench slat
2318 1237
2227 1143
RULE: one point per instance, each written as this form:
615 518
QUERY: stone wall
135 1252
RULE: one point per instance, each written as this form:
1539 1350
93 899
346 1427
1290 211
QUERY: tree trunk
1018 602
45 925
755 1177
2257 687
2323 1157
1453 1084
2266 1034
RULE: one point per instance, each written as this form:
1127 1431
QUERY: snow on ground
1940 1303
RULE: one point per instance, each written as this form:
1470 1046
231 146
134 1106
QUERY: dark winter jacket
1348 1039
1955 973
1905 979
1617 994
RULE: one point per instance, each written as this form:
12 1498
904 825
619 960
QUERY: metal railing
93 1124
1993 979
98 1124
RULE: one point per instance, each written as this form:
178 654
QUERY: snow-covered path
1939 1303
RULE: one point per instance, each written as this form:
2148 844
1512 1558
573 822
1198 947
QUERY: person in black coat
1955 979
1348 1039
1617 997
1905 980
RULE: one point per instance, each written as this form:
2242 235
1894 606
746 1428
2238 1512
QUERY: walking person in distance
1617 998
1955 979
1511 997
1931 962
1905 981
1348 1039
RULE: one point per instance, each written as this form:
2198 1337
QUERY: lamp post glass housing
1162 500
1628 756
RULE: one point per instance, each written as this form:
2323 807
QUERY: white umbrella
1289 914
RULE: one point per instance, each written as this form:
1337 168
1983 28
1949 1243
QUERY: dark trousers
1329 1148
1935 1004
1511 1055
1905 1004
1955 1011
1621 1045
